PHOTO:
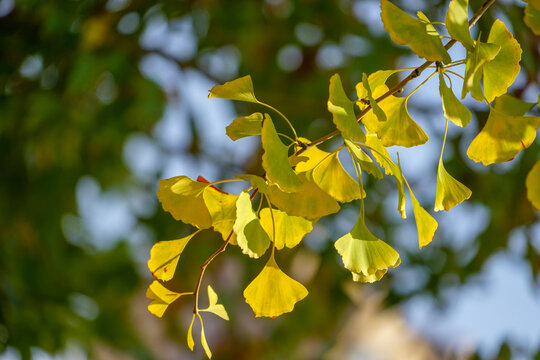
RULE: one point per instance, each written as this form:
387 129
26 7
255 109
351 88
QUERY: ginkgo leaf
290 230
309 202
533 185
342 110
245 126
377 83
379 152
161 298
222 209
400 129
190 341
453 109
379 113
250 235
505 133
331 177
406 30
363 254
532 17
309 159
204 343
475 60
500 72
240 89
273 292
257 182
213 305
457 23
426 225
450 192
183 199
275 159
164 257
363 159
369 278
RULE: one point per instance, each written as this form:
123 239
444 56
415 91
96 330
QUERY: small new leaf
161 298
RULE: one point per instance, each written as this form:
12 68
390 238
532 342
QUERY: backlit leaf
190 341
164 257
245 126
331 177
309 201
183 198
500 72
272 292
369 278
290 230
275 159
222 209
250 235
379 152
457 23
426 225
364 160
377 83
505 133
240 89
365 255
309 159
257 182
213 306
203 339
475 60
406 30
533 185
379 113
450 192
400 129
453 109
532 16
161 298
342 110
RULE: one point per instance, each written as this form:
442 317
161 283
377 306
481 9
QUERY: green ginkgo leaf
426 225
500 72
222 209
257 182
240 89
275 159
213 305
532 16
342 110
309 201
450 192
363 159
457 23
505 133
250 235
183 199
475 60
309 159
290 230
273 292
453 109
332 178
164 257
377 83
533 185
369 278
406 30
161 298
245 126
364 254
379 113
400 129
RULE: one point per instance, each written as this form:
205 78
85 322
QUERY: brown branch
414 74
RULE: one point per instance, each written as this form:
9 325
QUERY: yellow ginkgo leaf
365 255
406 30
363 159
369 278
250 235
331 177
245 126
500 72
183 198
457 23
272 292
275 159
453 109
164 257
190 341
222 209
400 129
257 182
161 298
532 16
377 83
213 305
309 159
240 89
309 202
505 133
475 60
342 110
426 225
533 185
379 113
204 343
450 192
290 230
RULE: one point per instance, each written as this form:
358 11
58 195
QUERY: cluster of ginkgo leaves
303 183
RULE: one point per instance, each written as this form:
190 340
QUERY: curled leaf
250 235
164 257
161 298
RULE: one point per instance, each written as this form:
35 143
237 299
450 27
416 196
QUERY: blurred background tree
100 99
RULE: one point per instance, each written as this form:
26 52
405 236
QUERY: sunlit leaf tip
426 225
290 230
222 209
450 192
533 185
245 126
213 305
453 109
250 235
457 23
342 110
273 292
161 298
164 257
204 343
240 89
363 159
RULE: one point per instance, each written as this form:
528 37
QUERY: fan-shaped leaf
379 113
250 235
164 257
272 292
222 209
475 60
425 223
309 159
290 230
364 160
457 23
161 298
245 126
377 83
453 109
213 306
532 16
342 110
450 192
240 89
533 185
